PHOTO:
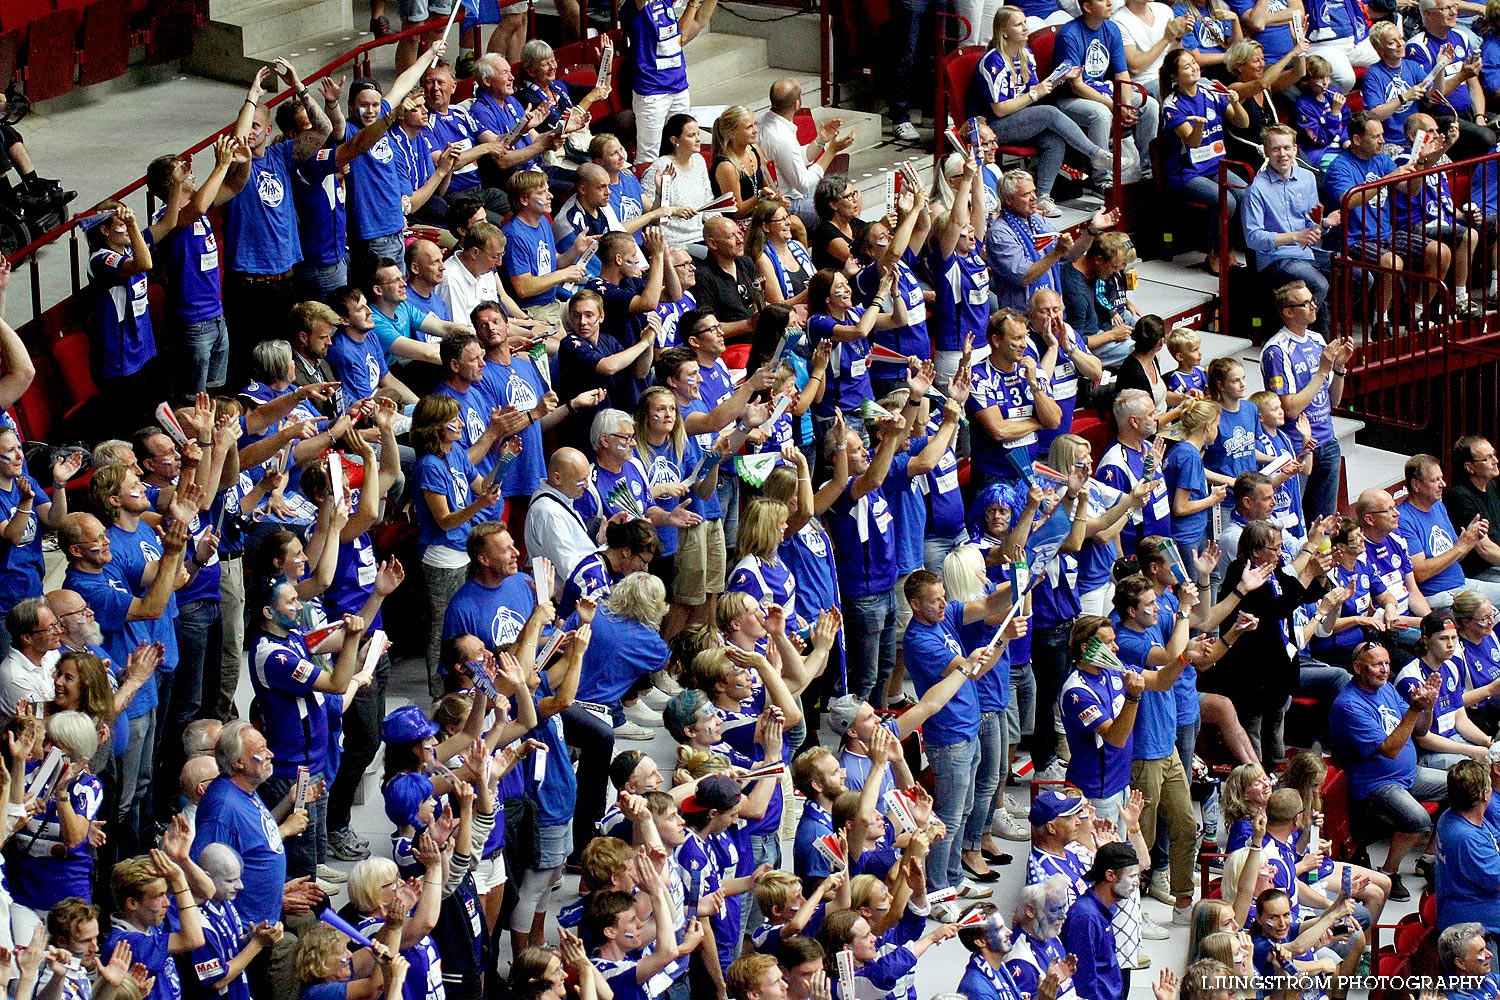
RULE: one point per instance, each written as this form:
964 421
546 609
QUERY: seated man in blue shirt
1464 950
1278 210
1468 859
1371 729
1435 544
404 330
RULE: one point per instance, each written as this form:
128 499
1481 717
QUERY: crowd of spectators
687 453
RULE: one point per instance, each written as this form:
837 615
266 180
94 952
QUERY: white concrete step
1369 468
231 46
714 58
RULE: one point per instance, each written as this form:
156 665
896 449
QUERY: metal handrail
359 56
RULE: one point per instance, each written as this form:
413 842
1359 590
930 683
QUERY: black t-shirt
729 299
825 234
1464 503
619 322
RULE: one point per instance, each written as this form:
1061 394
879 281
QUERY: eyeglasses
1304 304
622 437
847 194
86 612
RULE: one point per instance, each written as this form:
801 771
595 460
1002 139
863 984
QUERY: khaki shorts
700 563
552 313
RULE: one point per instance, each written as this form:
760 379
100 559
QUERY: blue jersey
261 221
149 948
1099 768
122 314
1383 84
318 192
1319 127
627 651
556 795
190 254
1468 869
769 581
413 156
808 555
962 305
848 365
1289 494
655 40
605 494
591 577
1358 724
1422 50
1100 52
456 126
225 934
1063 387
865 543
908 340
1121 468
1184 162
1288 363
1155 734
474 405
1432 533
1183 470
499 116
1012 395
1450 693
376 185
519 385
284 675
1390 564
908 511
1369 222
41 869
945 504
997 79
664 466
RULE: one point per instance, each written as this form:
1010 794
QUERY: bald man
795 176
193 781
587 211
553 528
726 280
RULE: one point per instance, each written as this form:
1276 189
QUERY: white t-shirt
1142 35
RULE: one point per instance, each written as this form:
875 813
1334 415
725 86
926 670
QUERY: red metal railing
1426 364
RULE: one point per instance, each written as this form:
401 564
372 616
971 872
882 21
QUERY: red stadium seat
71 352
1041 43
10 55
51 54
104 48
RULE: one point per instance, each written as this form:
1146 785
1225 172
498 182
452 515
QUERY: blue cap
1049 806
404 795
407 724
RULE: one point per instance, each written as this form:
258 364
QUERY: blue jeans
907 15
1051 132
309 848
1321 681
205 356
317 281
1020 714
1320 490
953 792
135 785
870 626
595 741
993 752
366 253
728 492
1402 807
935 550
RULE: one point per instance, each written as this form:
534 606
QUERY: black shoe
997 857
973 876
380 26
1423 868
1398 893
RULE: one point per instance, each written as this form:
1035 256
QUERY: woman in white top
681 145
1150 31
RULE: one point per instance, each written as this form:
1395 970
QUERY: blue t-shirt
1183 470
1206 35
1383 84
520 385
929 650
848 365
496 615
150 948
110 598
1288 508
908 511
807 861
359 364
627 650
663 466
1233 451
626 198
945 504
261 221
530 250
451 476
190 254
353 580
376 184
1275 39
406 323
1431 533
1369 222
1087 934
1188 162
1358 724
655 45
1155 733
1287 364
239 819
1099 51
1468 873
130 553
319 193
474 405
21 566
556 795
456 126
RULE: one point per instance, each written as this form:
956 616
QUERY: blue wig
1010 494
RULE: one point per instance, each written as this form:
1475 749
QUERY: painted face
1129 881
862 943
228 883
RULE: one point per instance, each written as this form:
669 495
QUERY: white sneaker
328 873
628 730
1007 827
1182 916
1160 889
973 890
1100 167
641 713
1017 808
655 699
1055 771
330 889
1151 930
944 913
906 132
665 683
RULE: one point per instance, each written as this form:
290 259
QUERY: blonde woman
669 456
1255 82
738 163
760 571
380 896
1187 484
327 971
781 260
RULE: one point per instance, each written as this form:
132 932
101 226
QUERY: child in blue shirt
1322 114
1186 349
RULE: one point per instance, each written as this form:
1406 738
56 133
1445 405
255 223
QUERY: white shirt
1142 35
463 291
795 178
554 530
690 189
20 678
